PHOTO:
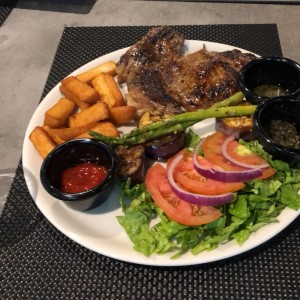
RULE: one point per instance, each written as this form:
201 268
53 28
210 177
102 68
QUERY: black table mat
4 13
38 262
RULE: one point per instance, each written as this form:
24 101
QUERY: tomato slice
186 176
237 151
212 152
242 154
175 208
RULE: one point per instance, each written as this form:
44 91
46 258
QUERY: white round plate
98 229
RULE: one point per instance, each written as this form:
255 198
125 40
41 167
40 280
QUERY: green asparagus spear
156 133
175 124
233 100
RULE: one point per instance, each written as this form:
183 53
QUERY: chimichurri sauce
285 133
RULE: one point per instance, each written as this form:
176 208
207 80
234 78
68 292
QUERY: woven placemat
4 13
38 262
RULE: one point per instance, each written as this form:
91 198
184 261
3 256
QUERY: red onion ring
235 161
197 199
219 174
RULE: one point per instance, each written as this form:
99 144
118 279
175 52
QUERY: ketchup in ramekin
80 173
82 177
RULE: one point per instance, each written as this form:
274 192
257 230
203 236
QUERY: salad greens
258 204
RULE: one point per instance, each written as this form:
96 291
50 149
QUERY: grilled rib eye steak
142 66
158 77
155 50
203 78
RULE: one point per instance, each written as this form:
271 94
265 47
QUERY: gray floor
29 38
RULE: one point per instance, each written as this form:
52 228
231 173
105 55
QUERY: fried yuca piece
104 128
80 90
82 105
122 114
88 76
55 138
58 114
41 141
108 90
95 113
60 135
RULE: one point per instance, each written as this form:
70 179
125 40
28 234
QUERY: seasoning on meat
203 78
143 64
158 77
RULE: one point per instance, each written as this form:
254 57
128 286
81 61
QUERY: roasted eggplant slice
152 116
131 163
240 127
165 147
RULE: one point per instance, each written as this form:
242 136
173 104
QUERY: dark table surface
283 2
39 262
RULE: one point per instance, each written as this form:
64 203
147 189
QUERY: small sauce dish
276 126
80 173
270 77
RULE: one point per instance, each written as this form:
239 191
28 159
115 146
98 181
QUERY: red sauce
82 177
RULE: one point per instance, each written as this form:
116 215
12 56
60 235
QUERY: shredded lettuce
258 204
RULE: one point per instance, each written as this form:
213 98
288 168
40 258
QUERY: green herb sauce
285 134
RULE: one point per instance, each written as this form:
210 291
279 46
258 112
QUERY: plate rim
135 257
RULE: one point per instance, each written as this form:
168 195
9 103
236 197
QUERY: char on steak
203 78
142 66
159 77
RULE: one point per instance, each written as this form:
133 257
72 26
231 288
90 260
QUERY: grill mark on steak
146 91
203 78
236 58
141 68
157 48
158 78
